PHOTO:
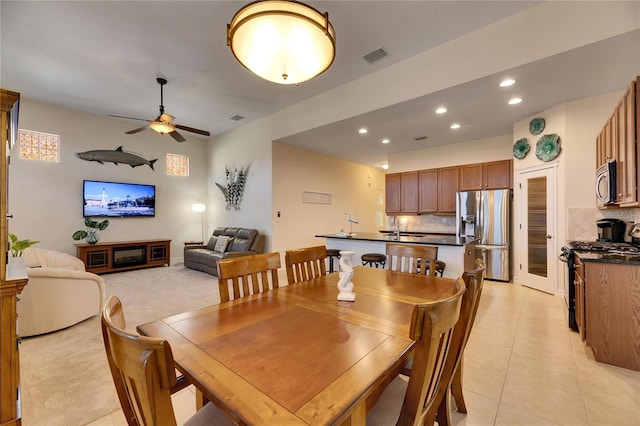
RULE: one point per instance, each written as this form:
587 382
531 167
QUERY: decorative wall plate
548 147
521 148
536 126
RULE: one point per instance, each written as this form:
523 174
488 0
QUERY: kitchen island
457 252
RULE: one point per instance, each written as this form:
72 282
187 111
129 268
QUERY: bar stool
374 260
440 267
331 254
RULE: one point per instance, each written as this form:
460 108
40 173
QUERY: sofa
223 244
59 294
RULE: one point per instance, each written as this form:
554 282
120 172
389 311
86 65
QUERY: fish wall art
117 156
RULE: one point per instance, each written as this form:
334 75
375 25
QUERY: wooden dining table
296 355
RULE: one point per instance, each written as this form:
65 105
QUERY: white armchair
60 293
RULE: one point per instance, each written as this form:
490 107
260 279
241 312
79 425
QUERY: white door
537 228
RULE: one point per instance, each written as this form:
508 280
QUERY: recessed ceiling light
362 131
385 141
441 110
455 126
508 82
384 165
515 101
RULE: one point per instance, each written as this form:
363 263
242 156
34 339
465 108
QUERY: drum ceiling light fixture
286 42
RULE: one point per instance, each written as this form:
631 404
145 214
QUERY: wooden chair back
432 326
441 409
305 263
408 258
142 369
253 274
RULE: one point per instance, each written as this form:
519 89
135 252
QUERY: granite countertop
623 259
430 239
387 231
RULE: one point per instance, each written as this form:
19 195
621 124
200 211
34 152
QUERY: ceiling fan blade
192 130
177 136
128 118
131 132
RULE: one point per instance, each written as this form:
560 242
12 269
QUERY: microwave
606 183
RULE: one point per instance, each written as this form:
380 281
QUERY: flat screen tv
117 199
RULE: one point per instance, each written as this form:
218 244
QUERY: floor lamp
199 207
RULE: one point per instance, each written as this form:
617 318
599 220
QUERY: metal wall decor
234 189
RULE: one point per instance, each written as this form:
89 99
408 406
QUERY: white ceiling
103 58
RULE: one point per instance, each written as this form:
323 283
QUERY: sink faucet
396 223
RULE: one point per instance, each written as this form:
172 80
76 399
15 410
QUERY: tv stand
119 256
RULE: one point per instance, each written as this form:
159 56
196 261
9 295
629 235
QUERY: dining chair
305 263
432 326
474 281
253 274
407 257
144 374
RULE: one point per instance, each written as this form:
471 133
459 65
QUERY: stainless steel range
568 255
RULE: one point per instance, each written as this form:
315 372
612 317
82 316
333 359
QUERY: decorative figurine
345 286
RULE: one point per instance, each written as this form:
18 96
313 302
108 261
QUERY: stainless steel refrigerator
486 215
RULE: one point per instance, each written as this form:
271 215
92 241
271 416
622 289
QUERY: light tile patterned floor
523 366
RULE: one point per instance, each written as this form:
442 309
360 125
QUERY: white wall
577 123
250 144
469 152
354 189
46 198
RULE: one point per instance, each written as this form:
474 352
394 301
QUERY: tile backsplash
424 223
582 222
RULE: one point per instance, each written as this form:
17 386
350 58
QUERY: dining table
297 355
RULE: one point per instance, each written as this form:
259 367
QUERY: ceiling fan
163 123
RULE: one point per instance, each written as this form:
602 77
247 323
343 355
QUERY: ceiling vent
375 55
237 117
419 138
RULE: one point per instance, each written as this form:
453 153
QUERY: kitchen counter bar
458 253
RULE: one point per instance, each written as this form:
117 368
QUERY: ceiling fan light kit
161 127
285 42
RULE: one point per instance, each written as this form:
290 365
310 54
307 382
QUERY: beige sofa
242 242
60 293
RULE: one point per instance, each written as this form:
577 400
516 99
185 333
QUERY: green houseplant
91 233
17 246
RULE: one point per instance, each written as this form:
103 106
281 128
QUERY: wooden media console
124 255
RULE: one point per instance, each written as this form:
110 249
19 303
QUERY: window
177 165
39 146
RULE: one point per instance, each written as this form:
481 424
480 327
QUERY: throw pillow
221 244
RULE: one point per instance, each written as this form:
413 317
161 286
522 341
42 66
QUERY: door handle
548 237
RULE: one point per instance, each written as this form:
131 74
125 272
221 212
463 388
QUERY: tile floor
523 366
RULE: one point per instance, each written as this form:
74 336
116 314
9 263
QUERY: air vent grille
375 55
237 117
419 138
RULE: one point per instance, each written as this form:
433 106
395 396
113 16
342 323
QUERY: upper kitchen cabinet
618 141
392 189
437 190
409 192
492 175
401 193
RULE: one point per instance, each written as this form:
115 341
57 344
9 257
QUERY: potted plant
17 246
91 233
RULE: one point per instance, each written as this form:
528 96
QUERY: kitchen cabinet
401 193
392 183
438 189
618 141
491 175
409 192
612 312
